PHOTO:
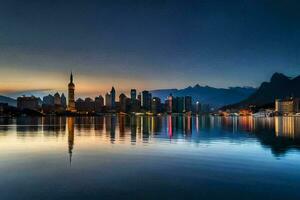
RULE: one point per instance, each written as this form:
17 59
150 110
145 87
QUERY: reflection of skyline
282 126
270 132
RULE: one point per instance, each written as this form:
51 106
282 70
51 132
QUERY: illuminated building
156 105
71 95
133 94
169 103
286 106
198 107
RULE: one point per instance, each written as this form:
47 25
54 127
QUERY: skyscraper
122 100
108 101
187 104
133 95
156 105
48 100
71 95
145 101
57 99
170 102
99 103
134 102
180 104
113 98
63 101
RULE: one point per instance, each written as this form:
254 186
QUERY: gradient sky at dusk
146 44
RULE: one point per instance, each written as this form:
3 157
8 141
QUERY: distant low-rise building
31 103
3 106
85 106
48 100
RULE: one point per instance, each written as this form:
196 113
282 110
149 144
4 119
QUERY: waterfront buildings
123 102
156 105
287 106
30 103
48 100
187 104
108 101
113 98
99 103
85 106
63 100
133 94
180 104
146 100
169 103
56 103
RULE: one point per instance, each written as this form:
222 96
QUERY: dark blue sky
146 44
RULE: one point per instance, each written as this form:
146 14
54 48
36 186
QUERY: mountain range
280 86
216 97
8 100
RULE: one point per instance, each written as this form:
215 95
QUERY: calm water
118 157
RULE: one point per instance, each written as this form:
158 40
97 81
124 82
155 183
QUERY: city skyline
152 45
94 93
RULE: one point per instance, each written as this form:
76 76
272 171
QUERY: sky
147 44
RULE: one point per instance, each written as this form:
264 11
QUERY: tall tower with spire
71 95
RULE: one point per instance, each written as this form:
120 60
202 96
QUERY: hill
217 97
279 86
8 100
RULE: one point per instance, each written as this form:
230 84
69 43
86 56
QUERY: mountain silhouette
216 97
280 86
8 100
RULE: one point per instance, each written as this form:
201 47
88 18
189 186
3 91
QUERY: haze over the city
145 44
